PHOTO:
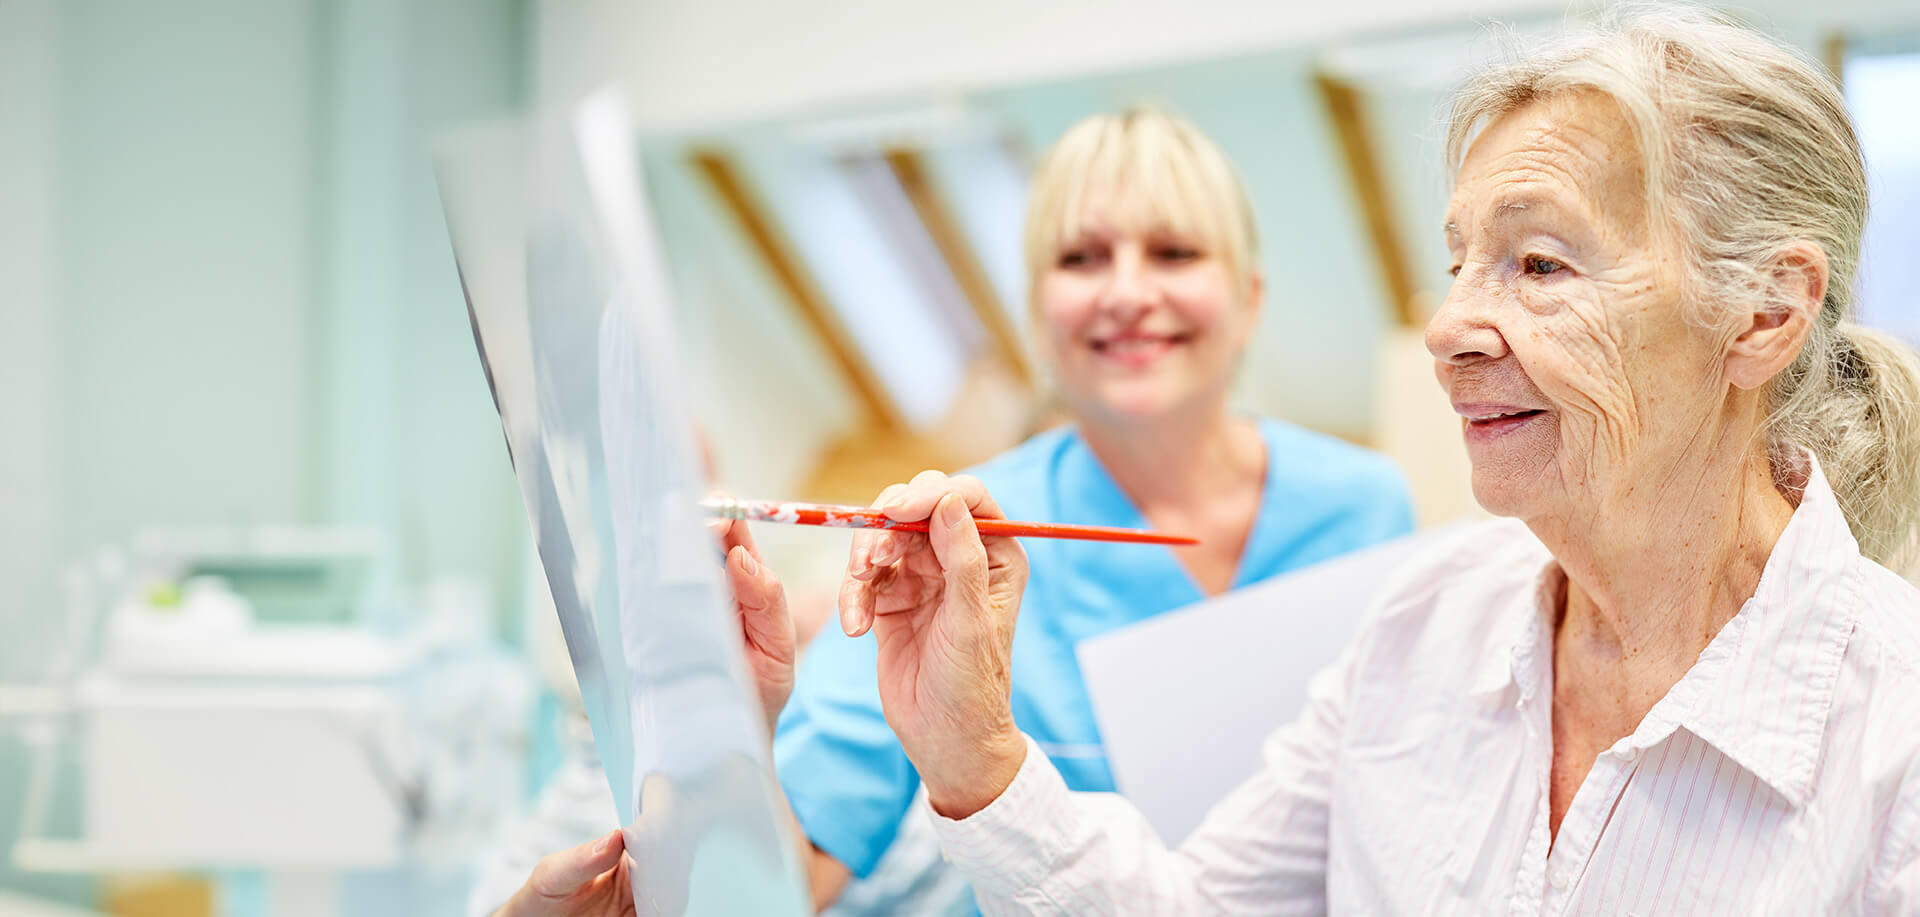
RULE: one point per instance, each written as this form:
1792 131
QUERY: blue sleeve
843 770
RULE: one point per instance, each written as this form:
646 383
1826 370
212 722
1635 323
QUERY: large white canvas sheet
567 294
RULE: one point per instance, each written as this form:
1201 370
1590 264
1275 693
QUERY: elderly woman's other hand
766 626
589 880
942 607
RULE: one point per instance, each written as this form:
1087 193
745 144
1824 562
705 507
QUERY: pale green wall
185 377
234 294
27 275
29 477
228 296
411 443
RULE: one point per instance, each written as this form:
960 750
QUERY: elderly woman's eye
1541 266
1454 271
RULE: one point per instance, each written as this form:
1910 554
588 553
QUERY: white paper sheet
1185 700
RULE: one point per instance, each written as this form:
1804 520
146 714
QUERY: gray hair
1747 149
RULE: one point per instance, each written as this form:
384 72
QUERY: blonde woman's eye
1542 266
1178 253
1073 259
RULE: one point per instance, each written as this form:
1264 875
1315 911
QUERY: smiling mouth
1485 428
1137 349
1503 416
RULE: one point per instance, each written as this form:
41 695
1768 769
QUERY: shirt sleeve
1903 888
844 773
1900 889
1042 849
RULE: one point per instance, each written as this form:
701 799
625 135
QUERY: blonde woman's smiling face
1562 342
1138 321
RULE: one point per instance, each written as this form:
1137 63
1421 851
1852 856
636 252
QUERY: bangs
1150 173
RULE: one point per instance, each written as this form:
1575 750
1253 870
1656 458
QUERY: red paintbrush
860 517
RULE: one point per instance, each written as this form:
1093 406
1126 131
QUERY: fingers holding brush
766 625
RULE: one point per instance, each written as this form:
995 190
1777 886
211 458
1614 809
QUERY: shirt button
1631 755
1559 880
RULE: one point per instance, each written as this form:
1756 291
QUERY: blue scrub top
845 774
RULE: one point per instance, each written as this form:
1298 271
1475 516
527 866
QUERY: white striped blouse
1781 775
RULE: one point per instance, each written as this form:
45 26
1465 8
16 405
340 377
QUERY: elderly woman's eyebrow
1508 209
1512 208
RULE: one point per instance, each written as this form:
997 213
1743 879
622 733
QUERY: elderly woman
1679 680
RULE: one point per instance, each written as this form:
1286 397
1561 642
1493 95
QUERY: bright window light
1880 90
904 337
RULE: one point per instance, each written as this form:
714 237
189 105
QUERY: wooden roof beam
790 274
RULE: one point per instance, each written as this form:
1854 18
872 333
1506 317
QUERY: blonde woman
1680 679
1140 246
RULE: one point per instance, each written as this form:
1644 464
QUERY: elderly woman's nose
1463 331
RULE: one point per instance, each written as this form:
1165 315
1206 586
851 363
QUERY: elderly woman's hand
941 607
766 627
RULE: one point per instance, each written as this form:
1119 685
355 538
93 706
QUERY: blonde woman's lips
1136 350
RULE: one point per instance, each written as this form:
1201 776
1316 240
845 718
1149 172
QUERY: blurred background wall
227 294
227 298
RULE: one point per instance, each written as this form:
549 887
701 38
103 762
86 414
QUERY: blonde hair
1167 174
1747 149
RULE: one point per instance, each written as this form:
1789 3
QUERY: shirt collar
1529 635
1761 690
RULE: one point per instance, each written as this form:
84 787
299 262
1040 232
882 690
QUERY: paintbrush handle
860 517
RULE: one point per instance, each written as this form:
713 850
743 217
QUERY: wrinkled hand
590 880
942 607
766 627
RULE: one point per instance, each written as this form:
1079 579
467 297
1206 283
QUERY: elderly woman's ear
1772 335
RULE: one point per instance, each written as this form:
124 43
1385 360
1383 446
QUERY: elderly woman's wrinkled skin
1622 433
1565 305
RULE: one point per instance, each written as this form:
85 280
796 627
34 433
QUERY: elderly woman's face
1561 343
1139 322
